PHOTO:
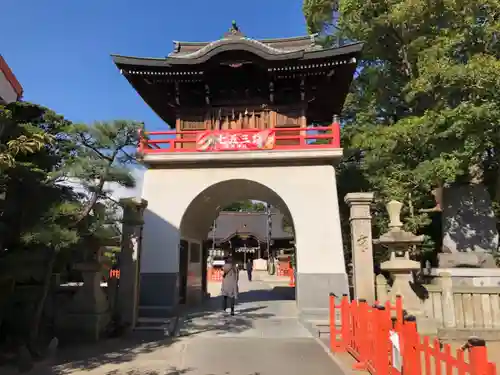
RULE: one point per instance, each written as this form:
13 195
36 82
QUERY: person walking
249 269
229 289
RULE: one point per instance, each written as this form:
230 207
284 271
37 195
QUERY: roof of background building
229 224
11 81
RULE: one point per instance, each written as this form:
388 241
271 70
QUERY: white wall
309 192
7 93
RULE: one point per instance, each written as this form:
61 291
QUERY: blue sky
59 49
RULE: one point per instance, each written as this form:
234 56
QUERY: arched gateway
247 115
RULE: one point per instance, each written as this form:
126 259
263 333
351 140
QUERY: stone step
161 312
168 325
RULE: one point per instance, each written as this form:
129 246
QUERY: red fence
233 139
214 274
292 278
372 334
283 269
114 273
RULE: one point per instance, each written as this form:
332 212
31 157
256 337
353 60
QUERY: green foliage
56 209
319 14
22 139
423 109
246 206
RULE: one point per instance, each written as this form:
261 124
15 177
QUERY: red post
478 356
345 322
363 317
140 131
410 346
292 277
336 132
399 312
381 341
334 343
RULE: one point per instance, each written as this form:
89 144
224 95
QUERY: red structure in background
114 274
11 79
365 333
283 268
214 274
324 137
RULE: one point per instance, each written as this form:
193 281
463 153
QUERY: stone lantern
400 266
88 313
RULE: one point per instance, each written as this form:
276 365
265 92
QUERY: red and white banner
226 141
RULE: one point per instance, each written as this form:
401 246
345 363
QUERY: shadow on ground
207 318
212 318
278 293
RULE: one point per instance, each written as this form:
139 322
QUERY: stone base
463 334
82 327
158 289
312 293
469 259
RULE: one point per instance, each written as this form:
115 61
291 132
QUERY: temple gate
253 119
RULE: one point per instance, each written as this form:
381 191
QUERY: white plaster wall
309 192
7 93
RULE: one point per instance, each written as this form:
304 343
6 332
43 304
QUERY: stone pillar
132 222
361 245
447 301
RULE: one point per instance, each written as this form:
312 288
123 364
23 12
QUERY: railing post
399 312
302 135
360 324
336 131
335 345
478 356
140 131
410 346
381 341
345 322
364 317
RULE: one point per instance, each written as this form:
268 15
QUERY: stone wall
463 311
454 311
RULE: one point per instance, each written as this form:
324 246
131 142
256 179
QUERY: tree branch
100 186
93 148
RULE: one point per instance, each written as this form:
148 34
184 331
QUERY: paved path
263 338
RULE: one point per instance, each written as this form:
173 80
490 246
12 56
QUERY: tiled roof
255 223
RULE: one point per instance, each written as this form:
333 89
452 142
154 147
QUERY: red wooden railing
284 139
365 333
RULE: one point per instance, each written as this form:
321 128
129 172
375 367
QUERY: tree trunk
37 316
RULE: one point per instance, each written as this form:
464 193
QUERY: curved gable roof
251 223
265 52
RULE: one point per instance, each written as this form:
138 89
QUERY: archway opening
240 218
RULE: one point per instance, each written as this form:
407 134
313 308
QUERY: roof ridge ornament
234 31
